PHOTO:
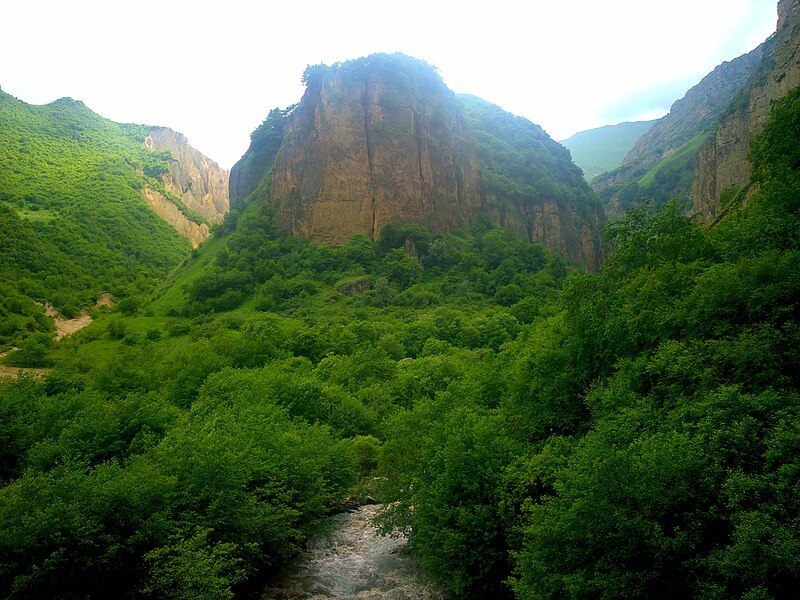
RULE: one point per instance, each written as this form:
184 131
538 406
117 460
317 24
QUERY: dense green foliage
644 440
190 448
538 432
520 164
603 149
72 222
400 68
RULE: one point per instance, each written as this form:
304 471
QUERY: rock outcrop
722 161
193 178
196 233
530 185
382 139
695 111
691 116
370 144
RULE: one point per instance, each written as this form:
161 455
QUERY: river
351 561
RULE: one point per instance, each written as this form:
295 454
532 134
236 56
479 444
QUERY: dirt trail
64 328
17 371
353 562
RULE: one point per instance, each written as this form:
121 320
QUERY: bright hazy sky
214 70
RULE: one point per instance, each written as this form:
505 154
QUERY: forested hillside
642 441
72 221
541 433
530 185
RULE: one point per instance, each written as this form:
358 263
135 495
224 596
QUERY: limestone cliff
196 233
674 138
382 139
370 144
695 111
722 161
193 178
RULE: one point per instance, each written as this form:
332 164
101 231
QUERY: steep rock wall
195 179
722 161
692 115
381 139
161 205
364 149
531 186
695 111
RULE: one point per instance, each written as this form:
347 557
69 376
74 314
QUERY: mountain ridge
382 139
693 115
723 162
603 149
75 221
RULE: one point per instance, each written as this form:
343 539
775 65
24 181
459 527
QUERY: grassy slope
72 221
669 178
681 161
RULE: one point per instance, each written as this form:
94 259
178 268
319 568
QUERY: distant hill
73 219
602 149
382 139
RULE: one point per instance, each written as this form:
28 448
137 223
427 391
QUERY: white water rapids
351 561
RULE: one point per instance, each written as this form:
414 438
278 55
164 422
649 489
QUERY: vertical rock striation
382 139
195 179
370 144
722 161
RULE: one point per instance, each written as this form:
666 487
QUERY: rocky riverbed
351 561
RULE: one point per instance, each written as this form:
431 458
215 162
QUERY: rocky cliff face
369 145
695 111
196 233
530 185
193 178
722 161
688 117
382 139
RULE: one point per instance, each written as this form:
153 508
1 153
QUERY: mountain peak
382 139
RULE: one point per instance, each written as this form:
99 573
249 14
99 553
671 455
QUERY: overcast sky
213 70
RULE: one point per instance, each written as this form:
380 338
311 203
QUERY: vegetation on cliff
382 139
72 221
521 164
668 178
